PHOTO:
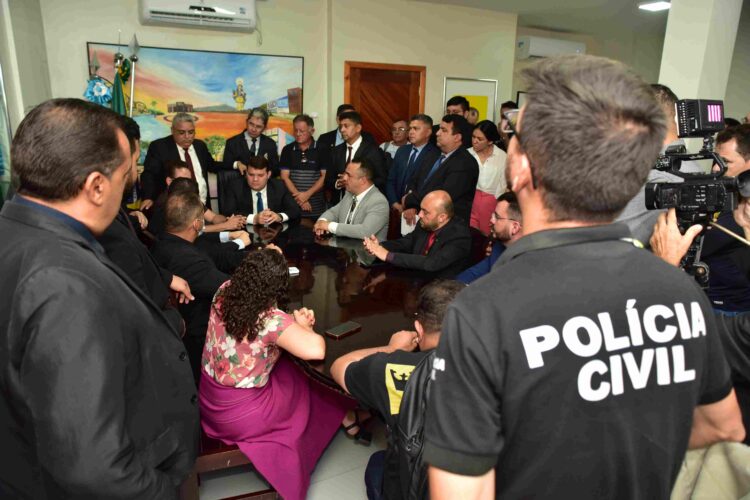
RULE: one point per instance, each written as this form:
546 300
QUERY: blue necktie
434 167
260 203
406 176
411 159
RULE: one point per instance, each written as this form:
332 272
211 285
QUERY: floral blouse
242 364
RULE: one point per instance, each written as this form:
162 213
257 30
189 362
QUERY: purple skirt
282 427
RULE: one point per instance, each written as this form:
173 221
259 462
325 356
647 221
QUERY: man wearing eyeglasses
582 366
400 135
180 145
506 228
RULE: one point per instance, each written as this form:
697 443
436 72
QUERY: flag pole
134 47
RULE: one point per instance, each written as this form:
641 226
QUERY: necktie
349 156
259 204
435 167
252 147
189 162
350 216
430 241
411 159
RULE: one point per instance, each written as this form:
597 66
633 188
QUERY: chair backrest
225 179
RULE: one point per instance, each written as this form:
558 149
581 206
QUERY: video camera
701 196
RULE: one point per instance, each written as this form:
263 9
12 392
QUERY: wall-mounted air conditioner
233 15
536 46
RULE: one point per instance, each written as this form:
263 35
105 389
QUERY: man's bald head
436 210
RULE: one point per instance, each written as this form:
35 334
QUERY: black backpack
406 438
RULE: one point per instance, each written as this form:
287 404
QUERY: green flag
118 98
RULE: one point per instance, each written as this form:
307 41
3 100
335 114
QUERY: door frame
350 65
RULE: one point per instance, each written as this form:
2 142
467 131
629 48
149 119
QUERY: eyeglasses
399 129
512 117
494 216
185 132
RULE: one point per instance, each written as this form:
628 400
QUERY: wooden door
384 93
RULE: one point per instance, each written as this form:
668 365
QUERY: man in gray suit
363 210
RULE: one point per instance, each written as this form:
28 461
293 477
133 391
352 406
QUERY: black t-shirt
729 262
573 368
378 381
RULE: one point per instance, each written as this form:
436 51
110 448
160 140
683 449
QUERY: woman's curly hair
259 283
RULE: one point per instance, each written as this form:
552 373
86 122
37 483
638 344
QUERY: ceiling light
654 6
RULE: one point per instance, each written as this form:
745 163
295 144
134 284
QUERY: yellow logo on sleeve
396 377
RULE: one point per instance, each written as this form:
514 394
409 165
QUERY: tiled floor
339 474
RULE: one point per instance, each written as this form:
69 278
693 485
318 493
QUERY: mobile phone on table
343 330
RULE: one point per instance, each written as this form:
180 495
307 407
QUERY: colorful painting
217 88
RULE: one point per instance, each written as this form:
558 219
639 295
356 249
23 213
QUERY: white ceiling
591 17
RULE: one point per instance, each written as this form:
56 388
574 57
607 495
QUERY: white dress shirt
197 169
491 172
361 196
354 147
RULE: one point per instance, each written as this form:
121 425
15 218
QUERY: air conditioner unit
536 46
233 15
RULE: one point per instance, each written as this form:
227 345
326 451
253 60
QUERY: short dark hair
304 118
514 209
665 97
458 124
183 185
173 165
433 300
426 119
351 115
365 168
509 105
731 122
741 134
615 131
132 131
258 163
458 100
181 210
259 113
60 143
489 130
343 108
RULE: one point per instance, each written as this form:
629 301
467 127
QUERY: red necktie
189 162
430 241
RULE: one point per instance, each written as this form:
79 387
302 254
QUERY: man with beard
121 243
441 244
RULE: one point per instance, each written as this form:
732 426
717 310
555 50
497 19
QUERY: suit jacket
236 149
367 150
153 178
239 199
399 175
448 256
98 401
186 260
371 216
226 256
457 175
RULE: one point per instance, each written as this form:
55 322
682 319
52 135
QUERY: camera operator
727 258
734 331
580 359
640 220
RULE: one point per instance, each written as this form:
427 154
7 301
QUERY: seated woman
491 182
253 396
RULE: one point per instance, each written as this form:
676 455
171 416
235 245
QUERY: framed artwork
5 137
217 88
520 98
481 94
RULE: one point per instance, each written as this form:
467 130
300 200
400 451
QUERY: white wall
737 98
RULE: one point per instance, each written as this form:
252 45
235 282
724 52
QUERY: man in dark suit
251 142
441 244
354 148
262 199
174 250
96 400
328 141
451 169
457 105
181 145
408 159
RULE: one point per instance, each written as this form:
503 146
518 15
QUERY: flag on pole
118 98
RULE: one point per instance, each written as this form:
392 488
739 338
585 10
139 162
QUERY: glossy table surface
341 282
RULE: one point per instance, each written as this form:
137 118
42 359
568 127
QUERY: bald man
441 244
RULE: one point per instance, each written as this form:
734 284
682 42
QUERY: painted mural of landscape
217 88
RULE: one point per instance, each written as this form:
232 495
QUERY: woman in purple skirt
253 396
